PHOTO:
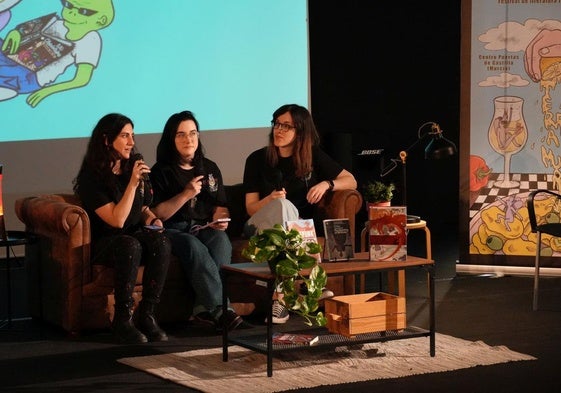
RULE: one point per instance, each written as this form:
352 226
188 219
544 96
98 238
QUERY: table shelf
360 265
258 342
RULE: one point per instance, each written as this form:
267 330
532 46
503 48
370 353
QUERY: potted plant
288 254
378 192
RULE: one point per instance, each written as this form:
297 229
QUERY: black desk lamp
437 148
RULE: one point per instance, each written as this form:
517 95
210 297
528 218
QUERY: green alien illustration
35 53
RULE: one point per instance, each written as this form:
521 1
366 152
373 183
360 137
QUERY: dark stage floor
496 310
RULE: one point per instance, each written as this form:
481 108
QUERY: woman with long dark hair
189 194
287 178
113 189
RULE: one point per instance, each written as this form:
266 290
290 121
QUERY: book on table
294 339
387 233
338 243
307 229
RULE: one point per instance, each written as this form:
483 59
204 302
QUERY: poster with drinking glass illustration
514 127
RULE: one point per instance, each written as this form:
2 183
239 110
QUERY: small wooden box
365 313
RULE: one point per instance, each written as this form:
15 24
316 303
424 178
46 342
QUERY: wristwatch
331 185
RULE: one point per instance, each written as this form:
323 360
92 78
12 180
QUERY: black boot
147 323
123 327
155 271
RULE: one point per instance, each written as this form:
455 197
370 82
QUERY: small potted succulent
288 254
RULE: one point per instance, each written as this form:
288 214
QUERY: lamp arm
403 155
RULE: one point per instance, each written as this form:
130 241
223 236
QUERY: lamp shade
439 147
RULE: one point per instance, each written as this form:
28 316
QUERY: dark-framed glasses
282 126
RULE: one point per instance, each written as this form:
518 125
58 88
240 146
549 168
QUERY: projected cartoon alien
5 13
37 52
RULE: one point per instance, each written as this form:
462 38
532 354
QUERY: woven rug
246 371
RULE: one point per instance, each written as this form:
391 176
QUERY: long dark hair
100 156
306 137
166 152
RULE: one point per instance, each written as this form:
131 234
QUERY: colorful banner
514 125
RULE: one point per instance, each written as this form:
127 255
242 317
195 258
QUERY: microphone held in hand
277 179
145 183
198 170
137 157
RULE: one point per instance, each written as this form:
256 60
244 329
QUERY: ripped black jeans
126 253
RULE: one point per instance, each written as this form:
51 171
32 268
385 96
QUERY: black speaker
367 165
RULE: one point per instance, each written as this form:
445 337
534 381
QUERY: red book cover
294 339
387 233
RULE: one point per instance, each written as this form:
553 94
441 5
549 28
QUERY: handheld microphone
277 179
145 178
198 170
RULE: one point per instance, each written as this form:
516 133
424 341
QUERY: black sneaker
233 320
280 313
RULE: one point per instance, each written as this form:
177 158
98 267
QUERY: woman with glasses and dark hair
189 194
287 178
113 189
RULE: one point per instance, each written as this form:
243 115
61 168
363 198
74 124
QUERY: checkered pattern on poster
490 194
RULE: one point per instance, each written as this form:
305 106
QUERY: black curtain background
379 70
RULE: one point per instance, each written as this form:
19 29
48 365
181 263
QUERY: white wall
48 166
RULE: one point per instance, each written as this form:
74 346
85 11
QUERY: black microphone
198 170
145 183
277 179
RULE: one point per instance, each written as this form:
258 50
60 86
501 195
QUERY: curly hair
100 157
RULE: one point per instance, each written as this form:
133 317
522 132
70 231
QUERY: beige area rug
246 371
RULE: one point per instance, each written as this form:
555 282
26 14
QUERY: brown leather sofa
66 290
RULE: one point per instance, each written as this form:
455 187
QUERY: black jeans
126 253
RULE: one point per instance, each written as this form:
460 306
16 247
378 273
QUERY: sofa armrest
50 215
64 233
341 204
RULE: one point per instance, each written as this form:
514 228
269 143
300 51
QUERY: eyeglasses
282 126
183 135
81 11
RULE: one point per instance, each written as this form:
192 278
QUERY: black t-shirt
262 178
94 194
168 181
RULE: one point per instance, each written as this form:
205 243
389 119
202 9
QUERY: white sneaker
326 294
280 313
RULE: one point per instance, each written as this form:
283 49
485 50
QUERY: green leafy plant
288 255
377 191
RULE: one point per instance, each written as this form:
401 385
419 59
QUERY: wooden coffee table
349 269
